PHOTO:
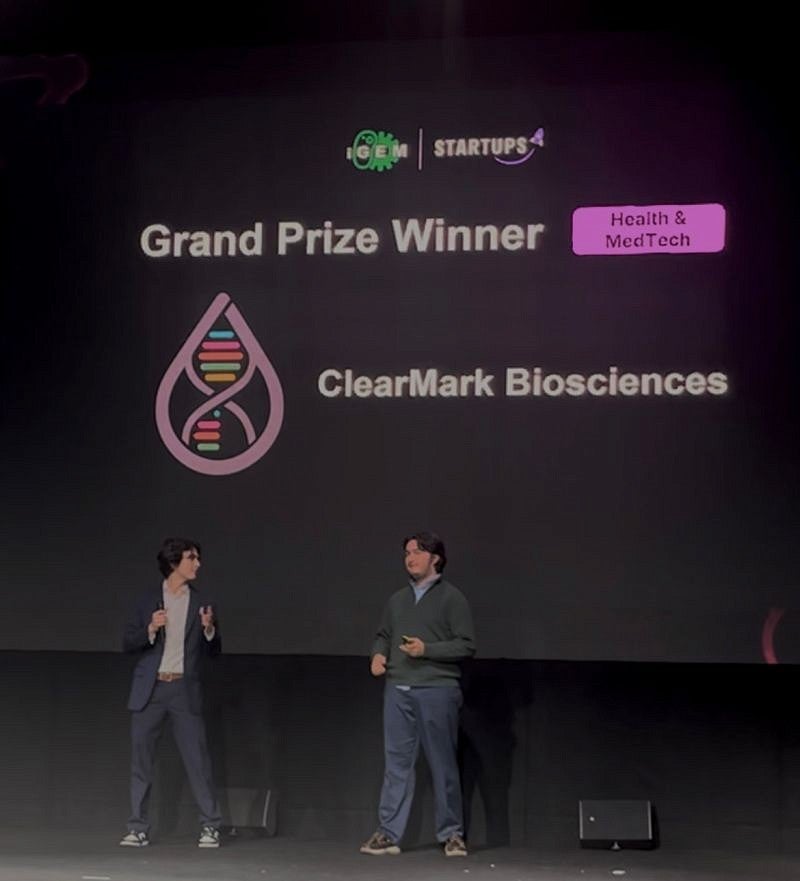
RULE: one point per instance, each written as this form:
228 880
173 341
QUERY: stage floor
54 856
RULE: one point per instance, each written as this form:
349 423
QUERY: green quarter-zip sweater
442 620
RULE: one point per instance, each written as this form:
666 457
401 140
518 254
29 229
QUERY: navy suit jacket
195 652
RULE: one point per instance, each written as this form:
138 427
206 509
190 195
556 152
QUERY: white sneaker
135 839
209 837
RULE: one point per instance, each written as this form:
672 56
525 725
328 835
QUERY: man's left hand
415 647
207 617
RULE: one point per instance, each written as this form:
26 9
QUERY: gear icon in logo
375 151
384 159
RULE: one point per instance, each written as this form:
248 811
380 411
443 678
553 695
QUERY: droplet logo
223 360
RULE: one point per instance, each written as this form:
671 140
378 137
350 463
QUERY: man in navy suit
172 631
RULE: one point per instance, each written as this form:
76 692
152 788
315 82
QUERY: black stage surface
51 856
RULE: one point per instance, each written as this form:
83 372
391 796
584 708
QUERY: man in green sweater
425 632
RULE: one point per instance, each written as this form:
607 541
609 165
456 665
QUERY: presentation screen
535 295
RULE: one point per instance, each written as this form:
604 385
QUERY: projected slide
540 302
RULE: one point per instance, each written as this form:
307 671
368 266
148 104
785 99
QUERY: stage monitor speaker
250 809
615 823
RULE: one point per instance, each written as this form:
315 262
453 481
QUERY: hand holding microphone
158 620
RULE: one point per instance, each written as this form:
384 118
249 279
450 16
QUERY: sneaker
378 843
135 839
209 837
455 847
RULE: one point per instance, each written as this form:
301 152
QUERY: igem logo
376 151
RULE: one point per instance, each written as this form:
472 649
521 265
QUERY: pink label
649 229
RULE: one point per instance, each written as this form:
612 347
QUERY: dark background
713 745
639 529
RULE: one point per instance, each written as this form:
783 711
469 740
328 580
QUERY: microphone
160 634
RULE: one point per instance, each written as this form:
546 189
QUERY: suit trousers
170 699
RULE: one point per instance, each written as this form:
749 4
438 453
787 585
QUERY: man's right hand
158 621
377 665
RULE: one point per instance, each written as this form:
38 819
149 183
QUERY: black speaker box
615 823
245 808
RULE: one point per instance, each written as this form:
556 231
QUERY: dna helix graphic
228 356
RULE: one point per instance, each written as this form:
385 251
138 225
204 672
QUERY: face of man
420 564
186 570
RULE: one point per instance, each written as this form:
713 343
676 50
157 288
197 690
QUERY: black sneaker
135 839
455 847
209 837
378 844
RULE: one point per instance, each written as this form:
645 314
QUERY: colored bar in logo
220 356
648 229
216 347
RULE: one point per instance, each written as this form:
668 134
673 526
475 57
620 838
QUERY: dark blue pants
170 699
414 717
